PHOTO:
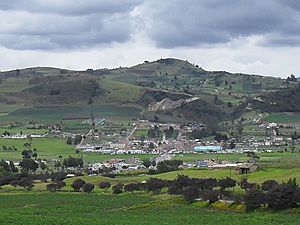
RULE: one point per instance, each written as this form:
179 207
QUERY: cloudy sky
253 36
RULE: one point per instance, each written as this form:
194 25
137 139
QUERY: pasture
47 148
136 209
53 114
283 117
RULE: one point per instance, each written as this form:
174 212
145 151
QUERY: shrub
211 196
155 185
118 188
104 185
268 184
88 187
133 187
191 193
226 183
77 184
282 196
254 199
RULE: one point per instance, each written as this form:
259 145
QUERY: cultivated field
138 209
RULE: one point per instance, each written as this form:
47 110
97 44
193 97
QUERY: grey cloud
176 23
70 7
64 24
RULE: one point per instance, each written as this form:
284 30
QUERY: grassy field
47 148
274 156
78 208
141 132
284 117
24 130
55 114
257 177
51 148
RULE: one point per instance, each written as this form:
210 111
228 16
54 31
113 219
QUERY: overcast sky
252 36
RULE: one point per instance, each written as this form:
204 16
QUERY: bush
88 187
77 184
268 184
282 196
133 187
211 196
155 185
254 199
226 183
191 193
118 188
104 185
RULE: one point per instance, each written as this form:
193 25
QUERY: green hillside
221 93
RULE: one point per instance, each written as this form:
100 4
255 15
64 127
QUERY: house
246 168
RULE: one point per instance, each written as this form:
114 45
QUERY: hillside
166 80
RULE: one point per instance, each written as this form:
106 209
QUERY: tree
168 165
211 196
5 166
240 129
73 162
6 133
151 145
118 188
51 187
55 186
26 153
148 162
268 184
43 166
191 193
77 139
221 137
254 199
155 185
207 183
133 187
226 183
104 185
12 167
88 187
244 184
69 141
281 196
28 165
77 184
26 183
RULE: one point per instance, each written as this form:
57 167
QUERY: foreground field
77 208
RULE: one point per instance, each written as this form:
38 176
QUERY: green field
24 130
47 148
138 209
56 114
52 148
284 117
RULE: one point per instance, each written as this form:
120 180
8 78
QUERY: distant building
207 149
246 168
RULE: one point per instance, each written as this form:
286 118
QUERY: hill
220 93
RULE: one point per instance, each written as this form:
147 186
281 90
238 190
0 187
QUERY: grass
135 209
52 114
24 130
47 148
283 117
52 147
13 84
119 91
141 132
